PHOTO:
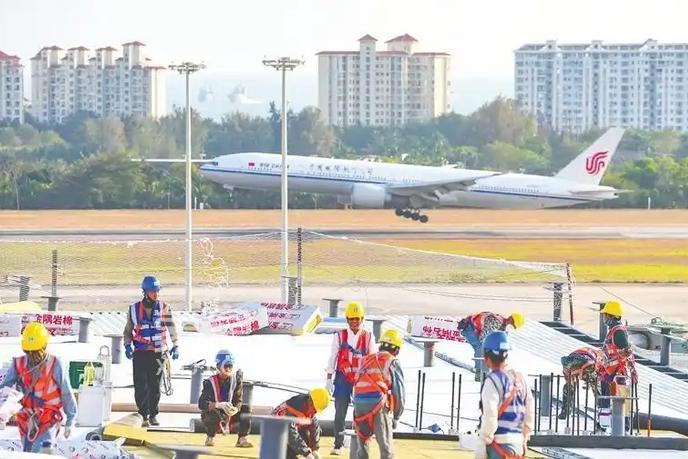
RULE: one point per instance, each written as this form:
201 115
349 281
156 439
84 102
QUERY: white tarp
9 403
293 319
435 327
78 449
241 320
12 324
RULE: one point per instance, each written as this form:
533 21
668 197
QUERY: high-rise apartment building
575 87
101 82
11 88
383 88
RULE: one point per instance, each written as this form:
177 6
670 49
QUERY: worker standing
47 393
507 406
148 323
477 326
583 364
349 346
221 402
379 397
618 362
304 439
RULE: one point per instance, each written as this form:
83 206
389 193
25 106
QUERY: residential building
575 87
383 88
11 88
101 82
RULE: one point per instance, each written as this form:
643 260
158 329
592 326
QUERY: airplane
408 188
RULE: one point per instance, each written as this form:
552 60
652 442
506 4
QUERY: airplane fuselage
350 178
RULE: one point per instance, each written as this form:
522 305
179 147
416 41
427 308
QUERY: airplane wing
443 186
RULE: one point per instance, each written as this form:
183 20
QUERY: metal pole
458 404
24 288
196 383
285 224
556 301
569 278
556 419
545 399
665 355
618 418
299 264
84 322
538 407
188 255
451 410
429 354
602 326
53 276
649 410
418 400
422 404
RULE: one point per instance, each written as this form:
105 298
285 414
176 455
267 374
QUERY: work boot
153 421
145 422
209 441
336 452
242 442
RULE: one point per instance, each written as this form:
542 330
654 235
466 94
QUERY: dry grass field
321 219
593 260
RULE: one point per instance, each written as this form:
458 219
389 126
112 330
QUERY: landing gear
413 214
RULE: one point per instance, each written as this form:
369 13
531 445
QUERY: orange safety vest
478 321
42 402
285 409
349 359
616 360
594 358
374 376
502 408
223 427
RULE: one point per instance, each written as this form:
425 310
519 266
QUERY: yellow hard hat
34 337
354 310
518 319
613 308
320 398
392 337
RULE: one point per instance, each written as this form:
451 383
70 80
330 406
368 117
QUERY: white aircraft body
408 188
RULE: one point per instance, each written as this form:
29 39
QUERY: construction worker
221 402
583 364
149 321
617 359
348 347
47 392
304 439
379 397
506 404
477 326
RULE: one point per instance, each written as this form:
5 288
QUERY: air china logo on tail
595 163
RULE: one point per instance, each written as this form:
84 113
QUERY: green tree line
85 162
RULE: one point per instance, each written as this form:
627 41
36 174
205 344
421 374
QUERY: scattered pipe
422 403
451 410
458 404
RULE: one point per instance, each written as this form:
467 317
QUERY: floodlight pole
283 64
188 68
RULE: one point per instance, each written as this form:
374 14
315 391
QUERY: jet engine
368 195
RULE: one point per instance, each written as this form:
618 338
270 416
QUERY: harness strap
369 419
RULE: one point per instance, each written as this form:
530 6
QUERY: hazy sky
232 36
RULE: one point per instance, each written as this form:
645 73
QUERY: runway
601 232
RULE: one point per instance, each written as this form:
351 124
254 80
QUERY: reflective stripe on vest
348 358
148 334
615 361
375 377
42 402
512 415
592 357
224 427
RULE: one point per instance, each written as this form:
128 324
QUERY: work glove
311 456
174 352
228 408
329 385
128 351
67 432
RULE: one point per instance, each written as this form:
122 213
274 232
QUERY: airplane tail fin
589 166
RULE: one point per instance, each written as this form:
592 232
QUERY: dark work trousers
147 375
241 421
341 407
307 433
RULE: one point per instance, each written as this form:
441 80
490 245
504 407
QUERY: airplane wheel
399 212
424 218
408 214
415 216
